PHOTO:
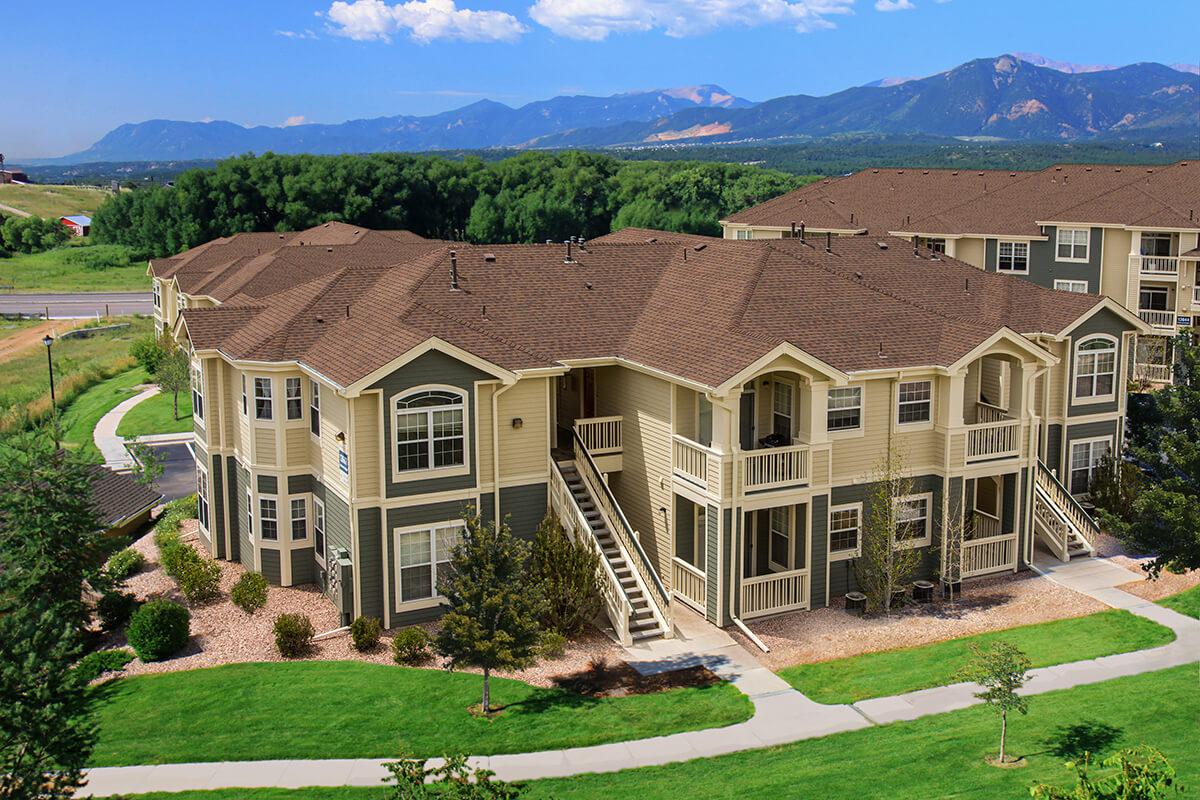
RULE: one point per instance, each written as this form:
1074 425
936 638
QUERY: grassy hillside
51 201
91 268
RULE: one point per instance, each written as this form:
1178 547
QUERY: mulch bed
602 679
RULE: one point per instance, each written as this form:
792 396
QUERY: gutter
750 634
496 449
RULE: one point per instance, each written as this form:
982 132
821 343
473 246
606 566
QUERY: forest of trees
527 198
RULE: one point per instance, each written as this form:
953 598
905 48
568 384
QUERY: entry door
567 401
746 413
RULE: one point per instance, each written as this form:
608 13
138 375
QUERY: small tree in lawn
886 562
493 618
174 375
1001 670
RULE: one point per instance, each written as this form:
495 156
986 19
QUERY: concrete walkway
781 714
112 447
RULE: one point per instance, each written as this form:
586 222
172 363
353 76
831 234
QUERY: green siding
1054 443
819 544
717 584
524 508
1044 269
268 484
246 547
1107 322
369 563
216 514
304 566
233 492
270 566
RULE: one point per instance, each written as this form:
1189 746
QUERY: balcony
1157 266
697 465
1161 320
773 468
1152 373
689 584
774 593
994 436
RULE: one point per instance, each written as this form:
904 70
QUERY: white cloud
290 121
304 34
894 5
424 20
594 20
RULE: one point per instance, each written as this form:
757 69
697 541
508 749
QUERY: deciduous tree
887 561
1001 669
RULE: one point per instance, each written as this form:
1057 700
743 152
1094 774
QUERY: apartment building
707 414
1127 232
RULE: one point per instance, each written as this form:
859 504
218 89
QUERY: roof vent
1013 174
1087 169
326 225
568 259
483 312
882 245
859 274
924 172
874 172
652 240
881 353
328 249
454 272
1058 169
980 174
489 258
320 319
1118 169
955 173
588 284
699 247
899 172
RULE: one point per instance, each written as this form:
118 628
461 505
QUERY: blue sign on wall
1186 322
344 462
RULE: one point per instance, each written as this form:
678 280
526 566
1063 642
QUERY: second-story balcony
993 435
1163 321
1158 266
773 468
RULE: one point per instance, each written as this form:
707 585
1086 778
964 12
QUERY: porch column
818 416
950 411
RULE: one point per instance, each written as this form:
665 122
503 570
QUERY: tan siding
264 446
334 420
523 450
366 445
1057 378
296 444
971 251
1114 266
483 438
229 408
244 435
855 459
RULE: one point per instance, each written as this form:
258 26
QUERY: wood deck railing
1065 503
600 435
991 554
774 593
689 584
984 525
697 464
993 440
773 467
1155 265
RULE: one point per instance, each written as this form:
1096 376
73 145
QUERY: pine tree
493 618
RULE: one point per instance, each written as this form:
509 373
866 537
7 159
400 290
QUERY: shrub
293 635
552 645
364 633
115 608
563 570
411 646
149 350
159 629
93 665
199 578
98 257
250 592
124 563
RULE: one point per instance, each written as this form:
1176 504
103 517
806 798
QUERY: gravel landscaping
223 634
1165 585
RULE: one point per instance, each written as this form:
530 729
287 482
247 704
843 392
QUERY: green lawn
848 680
79 419
934 757
157 415
1186 602
347 709
47 200
61 270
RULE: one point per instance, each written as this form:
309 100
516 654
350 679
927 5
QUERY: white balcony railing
984 525
1155 373
1159 319
698 464
689 584
774 593
773 467
992 440
600 435
992 554
1155 265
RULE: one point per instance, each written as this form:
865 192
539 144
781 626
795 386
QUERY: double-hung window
319 530
844 525
249 516
743 234
314 408
268 519
202 498
1013 257
1079 287
299 519
156 293
780 538
198 392
180 302
430 430
912 520
915 403
1085 456
423 559
1072 244
244 406
782 409
263 407
1095 367
292 398
935 245
845 409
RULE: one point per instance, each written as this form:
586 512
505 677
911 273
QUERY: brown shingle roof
116 496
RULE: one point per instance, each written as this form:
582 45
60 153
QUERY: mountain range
1004 97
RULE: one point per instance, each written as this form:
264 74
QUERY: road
73 306
178 478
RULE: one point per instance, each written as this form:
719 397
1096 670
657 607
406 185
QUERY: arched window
1095 367
430 431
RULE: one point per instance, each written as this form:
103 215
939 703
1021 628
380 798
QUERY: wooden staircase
1062 524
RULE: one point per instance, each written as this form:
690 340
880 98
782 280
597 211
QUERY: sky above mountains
75 73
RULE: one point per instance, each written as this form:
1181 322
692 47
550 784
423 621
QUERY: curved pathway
781 714
111 446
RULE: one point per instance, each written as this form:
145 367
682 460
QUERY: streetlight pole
48 340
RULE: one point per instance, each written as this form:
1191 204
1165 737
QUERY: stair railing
1066 504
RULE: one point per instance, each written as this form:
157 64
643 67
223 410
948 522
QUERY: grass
1186 602
59 271
157 415
347 709
939 756
890 672
79 419
79 364
43 200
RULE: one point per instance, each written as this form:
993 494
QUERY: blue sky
75 74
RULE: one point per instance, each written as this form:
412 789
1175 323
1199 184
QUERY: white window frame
319 533
1013 257
742 234
1090 443
856 551
399 475
1156 291
250 516
844 391
788 532
1077 287
268 398
314 409
293 519
435 558
203 510
1072 241
262 516
180 302
901 403
791 413
245 402
289 384
1080 355
923 541
156 294
197 372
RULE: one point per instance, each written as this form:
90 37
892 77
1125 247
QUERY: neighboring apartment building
1127 232
708 414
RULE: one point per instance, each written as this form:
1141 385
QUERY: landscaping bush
411 646
250 592
149 350
364 633
159 629
293 635
93 665
199 578
99 256
552 645
124 563
115 608
563 570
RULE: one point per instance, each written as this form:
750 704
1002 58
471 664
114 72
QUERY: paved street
65 306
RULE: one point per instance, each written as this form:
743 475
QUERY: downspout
496 450
1029 489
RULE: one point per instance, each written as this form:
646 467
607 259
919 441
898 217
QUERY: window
779 542
1084 458
1072 244
1013 257
1152 298
262 398
1095 367
319 530
430 431
844 523
156 294
1079 287
198 392
249 516
180 301
299 519
742 234
845 409
243 395
1155 244
936 245
292 399
781 417
423 559
202 498
314 408
916 403
912 520
268 519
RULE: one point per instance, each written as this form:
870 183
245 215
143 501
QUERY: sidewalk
781 714
112 447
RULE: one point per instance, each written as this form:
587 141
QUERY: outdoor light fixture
518 423
341 437
48 340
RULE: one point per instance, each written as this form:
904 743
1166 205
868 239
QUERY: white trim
250 515
303 499
287 416
857 430
789 530
913 423
432 343
1012 256
201 469
404 476
431 528
270 398
842 555
271 498
928 537
1070 470
1076 399
319 510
